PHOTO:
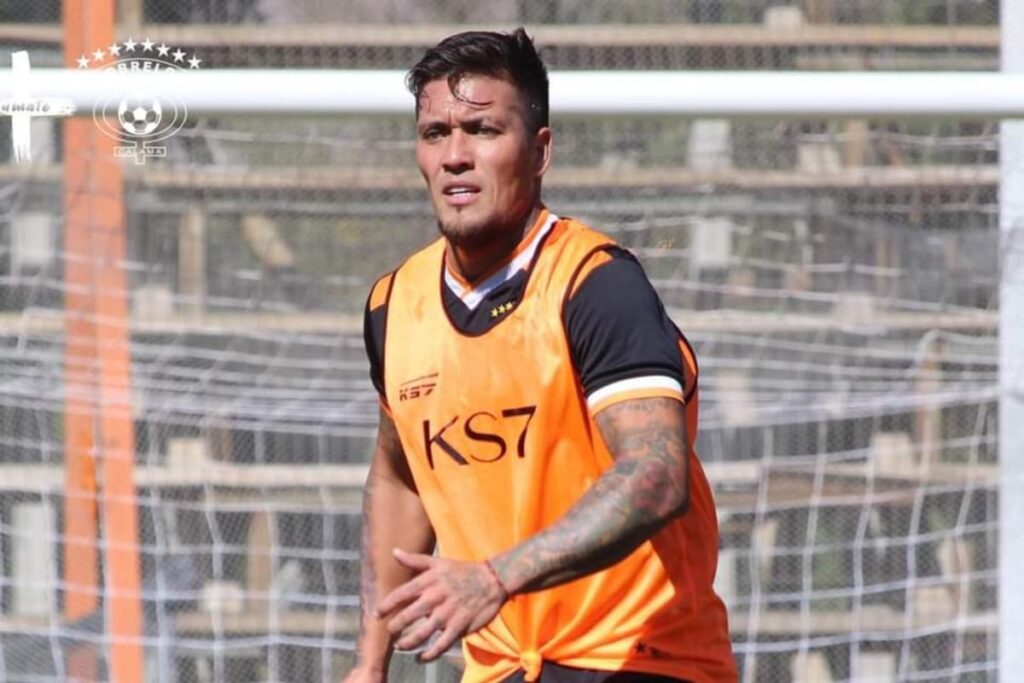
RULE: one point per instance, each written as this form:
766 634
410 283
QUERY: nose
457 155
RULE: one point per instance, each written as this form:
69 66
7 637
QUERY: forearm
393 517
645 488
608 523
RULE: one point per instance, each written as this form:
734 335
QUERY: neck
472 263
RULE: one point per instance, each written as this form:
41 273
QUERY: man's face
481 164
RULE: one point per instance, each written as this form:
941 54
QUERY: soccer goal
187 414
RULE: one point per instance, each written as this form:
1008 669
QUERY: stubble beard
476 234
471 236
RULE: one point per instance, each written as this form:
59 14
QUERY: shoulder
423 262
380 292
375 319
576 237
611 281
608 265
571 248
383 288
621 338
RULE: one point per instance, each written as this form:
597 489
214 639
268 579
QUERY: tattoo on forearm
647 485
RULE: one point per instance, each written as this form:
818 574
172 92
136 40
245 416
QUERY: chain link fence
838 280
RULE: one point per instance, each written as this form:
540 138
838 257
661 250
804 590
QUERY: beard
470 235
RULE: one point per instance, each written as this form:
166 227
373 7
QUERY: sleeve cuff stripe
637 395
633 384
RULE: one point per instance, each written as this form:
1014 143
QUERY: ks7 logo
475 431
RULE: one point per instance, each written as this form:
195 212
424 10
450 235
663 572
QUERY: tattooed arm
646 487
393 517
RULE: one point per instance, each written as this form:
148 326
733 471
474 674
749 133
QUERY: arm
647 486
393 517
617 328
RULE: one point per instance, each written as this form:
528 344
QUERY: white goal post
703 94
1011 363
710 94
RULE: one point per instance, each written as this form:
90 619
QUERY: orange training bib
501 444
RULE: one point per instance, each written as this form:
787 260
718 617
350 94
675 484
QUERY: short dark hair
508 56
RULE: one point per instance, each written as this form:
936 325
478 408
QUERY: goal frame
705 94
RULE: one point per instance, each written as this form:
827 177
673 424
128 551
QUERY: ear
542 145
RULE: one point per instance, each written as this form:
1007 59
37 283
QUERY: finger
413 560
407 616
407 592
421 633
443 643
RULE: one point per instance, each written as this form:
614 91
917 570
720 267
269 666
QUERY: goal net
838 280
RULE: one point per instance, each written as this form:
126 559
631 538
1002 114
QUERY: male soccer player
538 414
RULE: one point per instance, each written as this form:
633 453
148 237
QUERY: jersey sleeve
374 329
622 340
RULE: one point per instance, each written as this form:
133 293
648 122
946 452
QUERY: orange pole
98 373
81 527
81 570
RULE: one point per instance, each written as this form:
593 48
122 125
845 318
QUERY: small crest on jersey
502 309
420 386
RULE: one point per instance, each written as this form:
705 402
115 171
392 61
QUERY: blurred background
837 278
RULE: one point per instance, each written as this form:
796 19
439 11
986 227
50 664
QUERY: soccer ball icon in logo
139 116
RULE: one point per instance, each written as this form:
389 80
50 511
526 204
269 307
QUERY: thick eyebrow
475 121
430 123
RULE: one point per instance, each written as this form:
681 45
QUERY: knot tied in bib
531 662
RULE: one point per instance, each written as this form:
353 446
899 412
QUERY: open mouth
458 194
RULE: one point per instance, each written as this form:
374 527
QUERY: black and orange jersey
501 440
616 325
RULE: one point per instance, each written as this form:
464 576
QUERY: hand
451 597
